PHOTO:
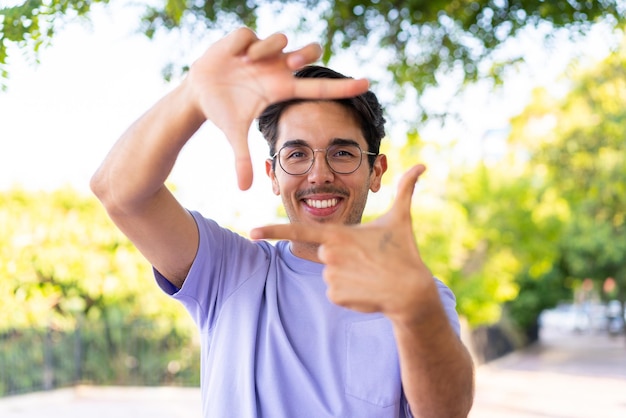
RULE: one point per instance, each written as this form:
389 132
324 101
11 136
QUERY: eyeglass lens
341 158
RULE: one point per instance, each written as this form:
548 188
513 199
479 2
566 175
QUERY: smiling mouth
322 204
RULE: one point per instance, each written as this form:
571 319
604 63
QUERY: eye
344 152
296 153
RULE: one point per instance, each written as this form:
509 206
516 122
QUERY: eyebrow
334 141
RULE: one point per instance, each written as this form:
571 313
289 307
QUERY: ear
380 166
272 175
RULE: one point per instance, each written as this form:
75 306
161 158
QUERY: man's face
321 195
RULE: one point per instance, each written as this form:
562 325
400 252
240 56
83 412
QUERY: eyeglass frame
337 142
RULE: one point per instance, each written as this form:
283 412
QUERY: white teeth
321 204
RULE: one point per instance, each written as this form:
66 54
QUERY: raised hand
373 267
240 75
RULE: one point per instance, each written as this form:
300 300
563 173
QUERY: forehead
318 123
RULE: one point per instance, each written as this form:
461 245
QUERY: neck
305 250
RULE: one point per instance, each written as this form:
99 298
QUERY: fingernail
296 61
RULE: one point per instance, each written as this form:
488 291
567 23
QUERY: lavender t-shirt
273 345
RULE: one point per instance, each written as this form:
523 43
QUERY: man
342 320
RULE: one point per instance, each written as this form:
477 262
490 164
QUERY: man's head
324 154
366 109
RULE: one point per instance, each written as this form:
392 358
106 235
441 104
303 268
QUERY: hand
240 75
374 267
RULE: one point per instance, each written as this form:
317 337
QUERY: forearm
437 370
141 160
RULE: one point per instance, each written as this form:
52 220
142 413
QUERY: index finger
327 88
407 186
292 232
239 40
243 163
269 46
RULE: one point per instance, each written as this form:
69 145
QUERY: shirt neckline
297 263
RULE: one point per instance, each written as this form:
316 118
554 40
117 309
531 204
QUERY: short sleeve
448 301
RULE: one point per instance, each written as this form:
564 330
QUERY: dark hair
365 107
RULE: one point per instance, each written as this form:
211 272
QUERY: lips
321 203
322 200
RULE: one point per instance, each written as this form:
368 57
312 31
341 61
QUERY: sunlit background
494 216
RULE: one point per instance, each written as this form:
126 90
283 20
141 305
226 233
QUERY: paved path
564 376
107 402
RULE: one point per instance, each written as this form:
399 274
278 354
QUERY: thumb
243 166
243 163
406 186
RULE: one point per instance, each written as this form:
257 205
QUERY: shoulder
448 300
216 240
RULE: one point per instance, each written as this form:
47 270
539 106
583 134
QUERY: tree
516 224
576 150
74 290
418 41
34 23
62 260
469 228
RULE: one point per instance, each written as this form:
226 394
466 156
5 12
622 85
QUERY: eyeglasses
297 159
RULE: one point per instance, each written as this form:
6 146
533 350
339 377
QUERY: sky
60 117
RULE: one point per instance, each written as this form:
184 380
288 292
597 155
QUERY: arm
377 267
437 370
230 84
130 185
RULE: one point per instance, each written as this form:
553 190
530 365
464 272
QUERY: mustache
326 189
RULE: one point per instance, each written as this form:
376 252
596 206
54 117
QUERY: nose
320 171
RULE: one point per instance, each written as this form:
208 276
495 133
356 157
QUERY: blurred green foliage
68 274
577 152
32 24
43 359
516 235
519 235
417 41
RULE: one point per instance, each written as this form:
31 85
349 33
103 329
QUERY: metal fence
35 360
